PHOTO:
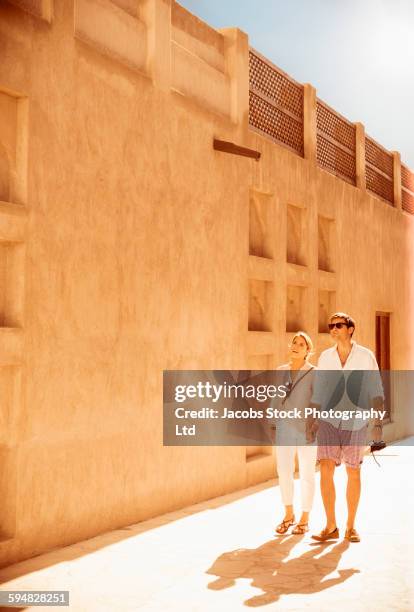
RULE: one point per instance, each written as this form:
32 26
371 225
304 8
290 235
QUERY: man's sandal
326 535
300 528
284 526
352 535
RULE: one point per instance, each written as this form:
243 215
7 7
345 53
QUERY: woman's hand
311 431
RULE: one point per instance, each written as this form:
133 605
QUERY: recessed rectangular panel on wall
10 393
261 225
39 8
295 308
13 147
8 145
129 6
8 475
197 37
12 269
296 235
326 307
326 244
112 30
260 305
191 76
253 451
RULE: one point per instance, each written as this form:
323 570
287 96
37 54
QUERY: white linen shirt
360 358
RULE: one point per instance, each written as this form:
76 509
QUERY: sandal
352 535
326 535
300 528
284 525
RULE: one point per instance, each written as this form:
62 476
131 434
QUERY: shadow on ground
267 569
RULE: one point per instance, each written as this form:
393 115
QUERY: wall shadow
78 549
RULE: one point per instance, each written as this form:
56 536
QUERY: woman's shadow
265 567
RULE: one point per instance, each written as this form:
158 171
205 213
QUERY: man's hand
377 432
377 404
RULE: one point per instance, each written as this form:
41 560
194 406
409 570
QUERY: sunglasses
337 325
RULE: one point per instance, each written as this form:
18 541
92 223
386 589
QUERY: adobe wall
125 251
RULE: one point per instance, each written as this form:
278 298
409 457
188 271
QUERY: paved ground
222 556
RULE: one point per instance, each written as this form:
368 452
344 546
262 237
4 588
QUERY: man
339 439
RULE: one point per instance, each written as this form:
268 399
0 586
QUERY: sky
359 54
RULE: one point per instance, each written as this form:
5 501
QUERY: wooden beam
230 147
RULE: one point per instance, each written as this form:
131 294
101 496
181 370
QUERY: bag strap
297 381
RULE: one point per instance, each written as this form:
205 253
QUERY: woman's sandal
284 526
300 528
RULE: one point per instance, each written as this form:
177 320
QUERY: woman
291 435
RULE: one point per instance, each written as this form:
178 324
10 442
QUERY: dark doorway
383 354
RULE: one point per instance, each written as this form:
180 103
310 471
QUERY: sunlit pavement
221 555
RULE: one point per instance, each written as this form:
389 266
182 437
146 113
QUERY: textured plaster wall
130 254
371 251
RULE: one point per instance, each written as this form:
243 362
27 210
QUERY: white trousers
285 457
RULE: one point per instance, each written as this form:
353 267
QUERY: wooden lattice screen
276 103
276 111
379 170
407 189
335 140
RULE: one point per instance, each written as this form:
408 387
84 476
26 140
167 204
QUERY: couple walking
337 440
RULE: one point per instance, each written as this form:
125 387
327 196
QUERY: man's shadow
265 567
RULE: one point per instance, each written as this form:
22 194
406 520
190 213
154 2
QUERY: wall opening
12 264
295 308
10 379
261 227
326 307
260 305
296 236
13 147
258 452
383 355
326 244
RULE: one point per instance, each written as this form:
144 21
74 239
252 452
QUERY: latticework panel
407 191
276 103
379 184
275 123
335 159
407 178
379 170
335 143
267 79
407 201
338 128
378 157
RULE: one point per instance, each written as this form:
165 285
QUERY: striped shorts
341 445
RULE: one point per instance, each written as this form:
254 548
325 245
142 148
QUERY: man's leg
329 454
353 493
353 454
327 469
